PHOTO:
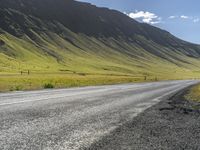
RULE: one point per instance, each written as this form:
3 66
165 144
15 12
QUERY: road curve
74 118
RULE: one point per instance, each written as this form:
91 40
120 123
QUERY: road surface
75 118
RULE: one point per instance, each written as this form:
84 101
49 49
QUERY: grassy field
194 94
16 82
33 81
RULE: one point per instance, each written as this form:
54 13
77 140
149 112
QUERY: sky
179 17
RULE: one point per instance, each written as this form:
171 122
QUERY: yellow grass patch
194 94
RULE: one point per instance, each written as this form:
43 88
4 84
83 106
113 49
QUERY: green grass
39 81
48 86
16 82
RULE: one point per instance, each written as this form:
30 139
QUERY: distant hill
66 35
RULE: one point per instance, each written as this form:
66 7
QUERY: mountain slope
70 36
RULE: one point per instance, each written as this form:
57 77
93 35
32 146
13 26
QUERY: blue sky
180 17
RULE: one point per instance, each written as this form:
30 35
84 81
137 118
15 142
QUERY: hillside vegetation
54 38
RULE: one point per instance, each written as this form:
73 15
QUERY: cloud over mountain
146 17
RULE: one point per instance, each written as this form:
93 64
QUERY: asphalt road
74 118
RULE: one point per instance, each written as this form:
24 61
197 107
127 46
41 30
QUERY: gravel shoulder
172 124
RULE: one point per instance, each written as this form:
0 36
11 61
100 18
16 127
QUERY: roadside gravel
172 124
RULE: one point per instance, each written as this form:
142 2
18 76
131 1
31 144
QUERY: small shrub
48 86
11 89
16 88
82 74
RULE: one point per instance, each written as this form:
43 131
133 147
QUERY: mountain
71 36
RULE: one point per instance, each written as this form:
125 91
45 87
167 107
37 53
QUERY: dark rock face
80 18
18 17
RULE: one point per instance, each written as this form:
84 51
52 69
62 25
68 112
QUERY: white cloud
196 20
172 17
184 17
190 18
155 22
146 17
